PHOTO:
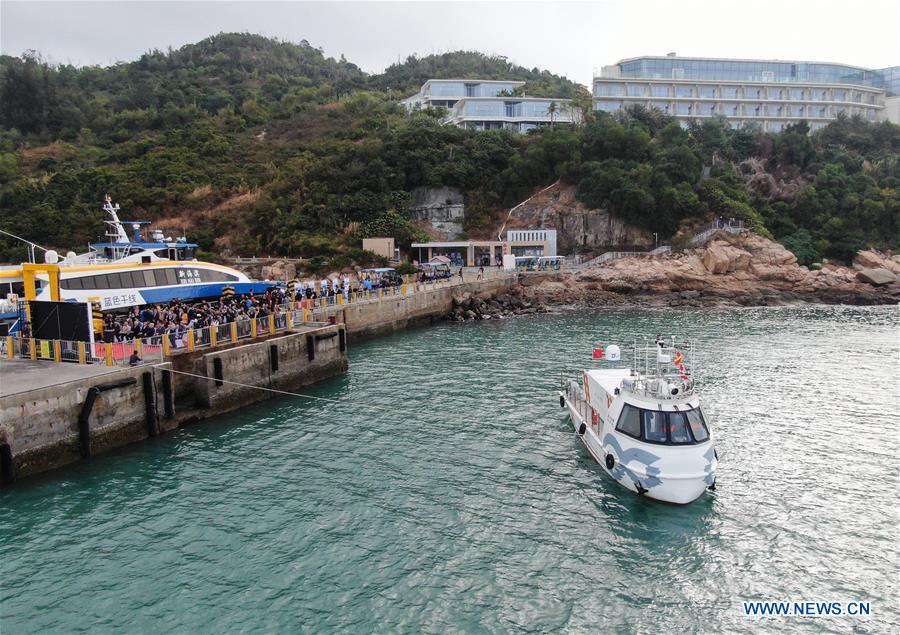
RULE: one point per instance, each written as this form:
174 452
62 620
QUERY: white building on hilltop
490 105
444 93
767 93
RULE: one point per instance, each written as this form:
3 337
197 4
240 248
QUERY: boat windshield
681 427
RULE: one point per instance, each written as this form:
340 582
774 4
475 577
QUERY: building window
707 91
659 90
609 90
609 106
637 90
729 92
684 91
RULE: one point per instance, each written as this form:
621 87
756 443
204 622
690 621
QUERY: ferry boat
645 427
124 272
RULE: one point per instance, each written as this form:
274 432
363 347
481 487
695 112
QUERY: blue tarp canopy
379 270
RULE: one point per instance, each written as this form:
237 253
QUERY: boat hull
640 470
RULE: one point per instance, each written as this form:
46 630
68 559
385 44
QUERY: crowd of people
178 317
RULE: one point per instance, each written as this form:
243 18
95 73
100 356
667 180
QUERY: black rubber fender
582 429
610 461
562 401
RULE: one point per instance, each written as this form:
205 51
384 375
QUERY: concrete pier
52 414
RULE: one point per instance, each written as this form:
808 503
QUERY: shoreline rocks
499 307
732 270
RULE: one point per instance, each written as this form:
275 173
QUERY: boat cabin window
654 426
678 430
157 277
698 425
682 427
630 421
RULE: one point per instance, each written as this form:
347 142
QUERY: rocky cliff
743 269
579 229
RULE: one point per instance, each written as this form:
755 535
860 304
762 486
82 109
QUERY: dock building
474 253
767 93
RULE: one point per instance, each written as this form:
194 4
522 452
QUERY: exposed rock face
438 210
871 259
577 227
722 258
279 270
743 269
878 277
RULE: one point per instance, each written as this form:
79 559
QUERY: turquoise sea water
446 492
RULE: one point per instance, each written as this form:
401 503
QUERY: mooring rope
274 390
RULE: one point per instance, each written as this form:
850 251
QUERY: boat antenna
31 245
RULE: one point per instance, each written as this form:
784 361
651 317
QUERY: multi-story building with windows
444 93
520 114
489 105
770 94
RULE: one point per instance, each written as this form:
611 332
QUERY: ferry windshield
683 427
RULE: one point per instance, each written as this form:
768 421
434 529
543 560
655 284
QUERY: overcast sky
569 38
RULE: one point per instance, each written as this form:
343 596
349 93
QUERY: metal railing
149 350
731 226
155 349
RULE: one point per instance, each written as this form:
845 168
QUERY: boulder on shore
876 277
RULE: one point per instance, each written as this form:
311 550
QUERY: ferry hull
679 487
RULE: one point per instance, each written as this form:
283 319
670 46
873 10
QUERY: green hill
262 146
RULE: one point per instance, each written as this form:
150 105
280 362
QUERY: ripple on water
447 492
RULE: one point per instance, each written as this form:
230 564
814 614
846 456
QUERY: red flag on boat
598 353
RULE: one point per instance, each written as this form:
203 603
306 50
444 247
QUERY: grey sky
569 38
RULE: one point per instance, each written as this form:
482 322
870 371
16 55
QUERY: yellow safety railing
159 347
149 350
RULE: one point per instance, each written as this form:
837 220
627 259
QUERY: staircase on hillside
730 226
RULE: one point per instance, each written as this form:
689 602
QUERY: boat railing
662 369
576 396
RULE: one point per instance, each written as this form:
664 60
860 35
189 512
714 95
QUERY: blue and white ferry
125 272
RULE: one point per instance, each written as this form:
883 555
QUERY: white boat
645 427
125 272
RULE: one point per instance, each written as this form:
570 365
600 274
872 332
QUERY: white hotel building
478 104
770 94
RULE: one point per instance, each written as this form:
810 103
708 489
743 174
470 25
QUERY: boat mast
115 230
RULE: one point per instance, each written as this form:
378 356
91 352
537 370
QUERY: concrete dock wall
282 363
42 430
393 313
42 425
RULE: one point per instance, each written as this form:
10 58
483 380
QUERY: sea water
443 490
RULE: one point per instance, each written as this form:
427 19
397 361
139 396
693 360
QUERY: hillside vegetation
259 146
